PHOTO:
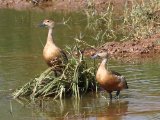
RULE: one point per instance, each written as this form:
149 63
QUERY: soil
60 5
128 49
16 4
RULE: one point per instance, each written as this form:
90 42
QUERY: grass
76 80
140 19
137 21
102 24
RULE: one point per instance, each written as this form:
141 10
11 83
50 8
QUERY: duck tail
125 83
126 86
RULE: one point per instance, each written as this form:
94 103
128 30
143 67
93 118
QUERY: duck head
101 54
47 23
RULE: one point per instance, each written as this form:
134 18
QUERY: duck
107 79
52 54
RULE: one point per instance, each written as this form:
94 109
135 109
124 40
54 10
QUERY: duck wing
115 73
121 78
64 57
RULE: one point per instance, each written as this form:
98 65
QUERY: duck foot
117 95
110 96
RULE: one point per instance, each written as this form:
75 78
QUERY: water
21 44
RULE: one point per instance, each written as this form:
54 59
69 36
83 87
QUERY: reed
137 21
76 79
101 23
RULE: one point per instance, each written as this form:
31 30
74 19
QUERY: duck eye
47 20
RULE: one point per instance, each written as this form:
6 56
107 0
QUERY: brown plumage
109 80
53 55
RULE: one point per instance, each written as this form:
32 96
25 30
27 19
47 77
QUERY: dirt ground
128 49
145 48
63 5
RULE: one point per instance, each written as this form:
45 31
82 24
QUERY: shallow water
21 44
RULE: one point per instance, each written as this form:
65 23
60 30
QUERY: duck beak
42 25
95 56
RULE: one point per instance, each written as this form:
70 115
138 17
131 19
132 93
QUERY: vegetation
137 21
76 79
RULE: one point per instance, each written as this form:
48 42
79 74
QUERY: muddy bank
128 50
61 5
15 4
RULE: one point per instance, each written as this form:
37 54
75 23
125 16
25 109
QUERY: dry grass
138 21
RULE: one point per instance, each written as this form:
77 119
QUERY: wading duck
109 80
53 55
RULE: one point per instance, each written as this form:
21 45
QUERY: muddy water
21 44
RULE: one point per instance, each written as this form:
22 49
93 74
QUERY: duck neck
103 63
50 37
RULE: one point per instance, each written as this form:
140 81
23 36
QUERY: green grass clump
76 79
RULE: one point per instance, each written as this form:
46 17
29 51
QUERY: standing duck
109 80
53 55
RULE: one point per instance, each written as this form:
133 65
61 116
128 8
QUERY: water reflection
114 110
93 107
90 107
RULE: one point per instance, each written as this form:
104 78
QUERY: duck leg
110 95
117 94
56 73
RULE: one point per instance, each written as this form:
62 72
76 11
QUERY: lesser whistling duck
53 55
109 80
